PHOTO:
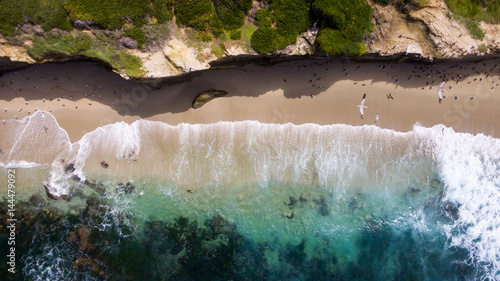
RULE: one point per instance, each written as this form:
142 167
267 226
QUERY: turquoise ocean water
253 201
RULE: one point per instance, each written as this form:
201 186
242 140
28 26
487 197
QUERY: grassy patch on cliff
486 10
86 46
470 12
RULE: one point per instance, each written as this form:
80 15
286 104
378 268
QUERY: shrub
162 10
83 42
232 12
53 15
333 42
194 13
235 35
483 48
263 18
137 34
351 17
265 40
48 14
109 14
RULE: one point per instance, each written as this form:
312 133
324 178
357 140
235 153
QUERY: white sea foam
20 164
470 168
332 157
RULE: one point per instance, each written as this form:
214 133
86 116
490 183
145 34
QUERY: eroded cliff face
428 31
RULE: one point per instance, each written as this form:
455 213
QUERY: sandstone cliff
429 31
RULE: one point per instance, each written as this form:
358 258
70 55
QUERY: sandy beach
83 96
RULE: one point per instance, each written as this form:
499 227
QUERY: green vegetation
109 14
343 24
472 26
235 34
470 12
247 31
232 12
483 48
485 10
347 22
48 14
333 42
199 14
137 34
280 24
217 51
85 45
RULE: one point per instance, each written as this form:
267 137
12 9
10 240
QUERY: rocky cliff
429 31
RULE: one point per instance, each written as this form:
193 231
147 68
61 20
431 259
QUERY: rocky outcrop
128 43
428 31
207 96
82 24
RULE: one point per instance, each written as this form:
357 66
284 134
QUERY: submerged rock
83 233
52 196
104 164
127 187
324 210
292 203
88 263
37 199
69 168
220 225
207 96
451 210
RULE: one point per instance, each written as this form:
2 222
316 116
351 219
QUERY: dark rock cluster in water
183 249
324 210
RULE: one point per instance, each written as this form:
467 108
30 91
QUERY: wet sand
83 96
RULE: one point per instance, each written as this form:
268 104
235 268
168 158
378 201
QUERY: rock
207 96
104 164
88 263
292 203
51 214
83 233
127 188
69 168
128 42
72 237
52 196
26 28
436 184
451 210
36 199
82 24
220 225
414 49
304 44
324 210
38 30
288 215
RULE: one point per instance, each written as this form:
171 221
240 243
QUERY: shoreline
305 91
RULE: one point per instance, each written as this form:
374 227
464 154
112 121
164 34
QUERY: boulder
207 96
82 24
128 42
38 30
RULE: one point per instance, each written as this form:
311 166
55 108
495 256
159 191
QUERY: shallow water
253 201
